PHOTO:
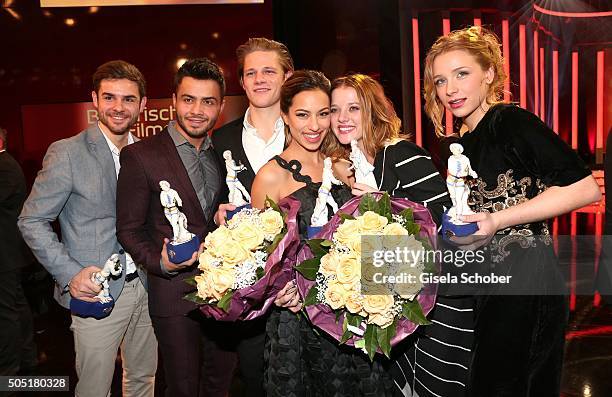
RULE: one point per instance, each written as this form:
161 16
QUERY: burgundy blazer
142 225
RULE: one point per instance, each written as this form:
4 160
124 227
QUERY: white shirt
258 151
130 267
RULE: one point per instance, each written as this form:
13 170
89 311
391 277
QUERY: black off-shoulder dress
302 362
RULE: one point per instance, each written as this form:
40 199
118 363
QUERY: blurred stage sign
47 123
105 3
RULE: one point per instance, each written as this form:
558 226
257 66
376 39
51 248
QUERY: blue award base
450 229
96 310
178 253
313 230
230 214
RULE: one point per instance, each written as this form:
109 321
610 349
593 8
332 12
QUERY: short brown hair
480 43
262 44
118 69
200 69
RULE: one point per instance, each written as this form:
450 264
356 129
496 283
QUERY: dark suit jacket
142 225
229 137
12 196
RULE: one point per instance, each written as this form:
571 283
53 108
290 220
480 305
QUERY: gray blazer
77 186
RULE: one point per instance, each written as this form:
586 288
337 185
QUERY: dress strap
295 167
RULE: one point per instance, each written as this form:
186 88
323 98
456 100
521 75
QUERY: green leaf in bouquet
193 297
426 244
430 267
270 203
309 268
360 343
224 302
344 216
412 311
191 281
326 243
275 242
384 336
371 342
368 203
260 272
384 206
311 297
413 229
408 215
338 314
354 319
346 335
317 247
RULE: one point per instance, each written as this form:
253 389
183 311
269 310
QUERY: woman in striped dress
434 361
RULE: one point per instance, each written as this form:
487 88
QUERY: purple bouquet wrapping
246 263
336 300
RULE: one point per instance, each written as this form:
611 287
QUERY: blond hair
378 118
480 43
262 44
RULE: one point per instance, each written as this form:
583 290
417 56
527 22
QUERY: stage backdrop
44 124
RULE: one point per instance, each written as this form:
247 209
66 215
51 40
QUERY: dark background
45 61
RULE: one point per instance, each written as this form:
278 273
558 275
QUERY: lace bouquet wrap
350 292
247 262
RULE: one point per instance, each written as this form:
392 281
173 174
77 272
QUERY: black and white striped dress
435 360
405 170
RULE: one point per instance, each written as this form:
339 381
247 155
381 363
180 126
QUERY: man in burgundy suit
182 155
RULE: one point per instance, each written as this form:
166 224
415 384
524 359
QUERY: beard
195 132
117 129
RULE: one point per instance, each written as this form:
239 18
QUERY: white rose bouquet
246 262
354 293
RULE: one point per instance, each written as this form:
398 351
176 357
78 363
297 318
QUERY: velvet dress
519 327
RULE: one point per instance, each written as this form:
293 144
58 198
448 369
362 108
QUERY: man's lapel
247 175
99 148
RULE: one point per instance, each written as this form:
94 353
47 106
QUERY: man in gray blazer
77 186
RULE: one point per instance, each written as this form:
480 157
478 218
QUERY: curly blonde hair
378 117
480 43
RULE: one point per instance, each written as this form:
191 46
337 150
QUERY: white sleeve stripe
454 308
409 364
396 187
442 361
435 197
427 388
406 392
411 159
442 379
452 327
421 180
449 344
402 370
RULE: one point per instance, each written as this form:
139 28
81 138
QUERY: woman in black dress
434 360
299 361
526 175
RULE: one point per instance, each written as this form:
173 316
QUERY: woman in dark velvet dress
526 175
433 361
299 360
